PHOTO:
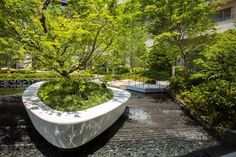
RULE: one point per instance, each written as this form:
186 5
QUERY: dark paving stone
152 125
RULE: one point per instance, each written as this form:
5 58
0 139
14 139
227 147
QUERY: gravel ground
152 125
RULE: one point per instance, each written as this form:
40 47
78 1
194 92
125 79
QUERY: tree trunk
173 68
17 65
107 69
9 63
185 67
65 75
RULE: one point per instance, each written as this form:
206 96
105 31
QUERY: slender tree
184 24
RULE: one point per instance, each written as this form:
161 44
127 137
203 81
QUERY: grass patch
73 95
11 91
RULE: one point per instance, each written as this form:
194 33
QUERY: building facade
226 16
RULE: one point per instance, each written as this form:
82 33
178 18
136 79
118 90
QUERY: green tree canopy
212 92
184 25
63 38
219 59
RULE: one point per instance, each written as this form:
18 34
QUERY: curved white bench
72 129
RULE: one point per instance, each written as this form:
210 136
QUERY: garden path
152 125
139 85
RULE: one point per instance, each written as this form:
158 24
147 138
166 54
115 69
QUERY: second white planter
72 129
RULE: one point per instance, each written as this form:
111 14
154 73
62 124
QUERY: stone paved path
153 125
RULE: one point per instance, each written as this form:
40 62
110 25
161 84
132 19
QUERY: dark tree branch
43 23
43 18
16 34
94 45
96 37
66 46
99 54
83 54
84 65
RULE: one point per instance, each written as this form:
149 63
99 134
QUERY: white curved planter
72 129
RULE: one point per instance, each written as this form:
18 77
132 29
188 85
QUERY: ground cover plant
73 95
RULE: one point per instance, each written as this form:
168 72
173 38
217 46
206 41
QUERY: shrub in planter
73 95
101 70
178 83
107 78
138 70
82 74
214 101
157 74
132 76
21 71
121 70
25 71
197 79
28 76
150 81
179 71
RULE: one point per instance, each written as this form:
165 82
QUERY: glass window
224 14
63 4
227 13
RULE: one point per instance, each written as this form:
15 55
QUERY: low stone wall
16 83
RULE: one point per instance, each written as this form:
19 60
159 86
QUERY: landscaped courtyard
118 78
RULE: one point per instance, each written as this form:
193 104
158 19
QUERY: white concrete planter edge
72 129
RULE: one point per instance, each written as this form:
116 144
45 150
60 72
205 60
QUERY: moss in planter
11 91
73 95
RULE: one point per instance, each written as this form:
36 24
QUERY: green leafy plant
214 101
178 83
43 75
73 95
211 89
180 28
64 39
107 78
